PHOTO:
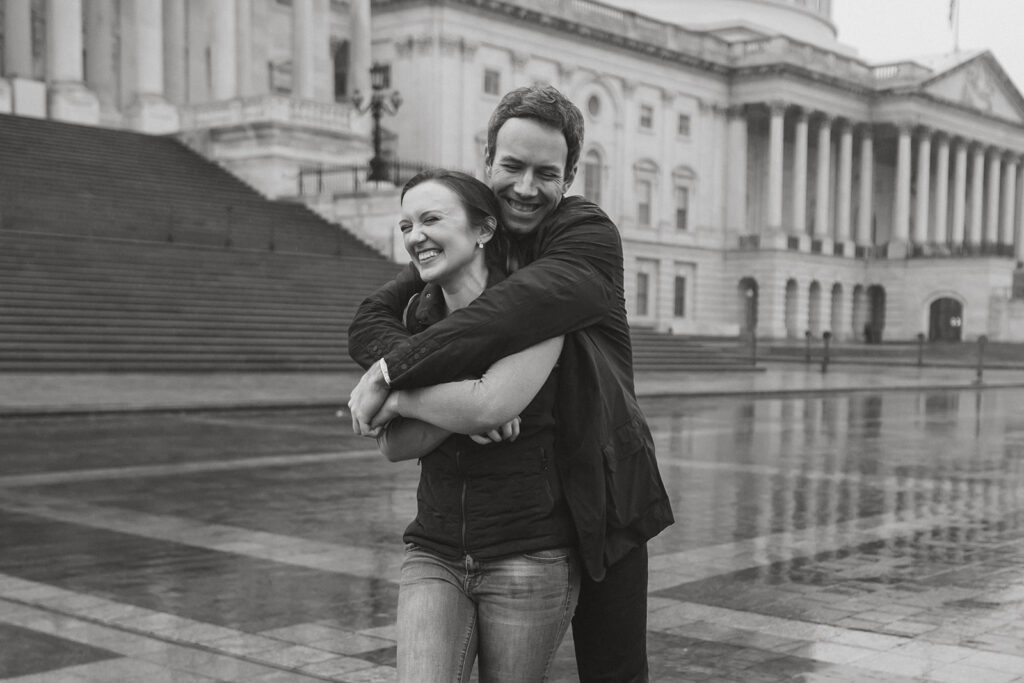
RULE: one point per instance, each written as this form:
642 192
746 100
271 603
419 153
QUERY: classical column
359 50
800 174
775 164
924 179
822 206
175 78
845 180
1009 201
149 111
101 46
939 234
18 38
736 207
867 179
1018 228
995 162
302 49
958 228
901 207
224 50
974 226
69 99
243 24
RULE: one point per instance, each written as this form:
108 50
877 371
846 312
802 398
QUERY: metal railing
353 179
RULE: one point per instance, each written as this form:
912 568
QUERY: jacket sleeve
571 285
377 326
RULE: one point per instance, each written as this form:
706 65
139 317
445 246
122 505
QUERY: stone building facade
763 176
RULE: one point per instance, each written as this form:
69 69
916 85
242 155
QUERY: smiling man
570 283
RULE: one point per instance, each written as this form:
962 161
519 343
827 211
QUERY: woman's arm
408 439
479 405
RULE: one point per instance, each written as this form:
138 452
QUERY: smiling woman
446 222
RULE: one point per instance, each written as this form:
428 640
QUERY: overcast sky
890 30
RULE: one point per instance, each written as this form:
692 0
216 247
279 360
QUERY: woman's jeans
511 613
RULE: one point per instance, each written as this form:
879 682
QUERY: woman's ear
487 229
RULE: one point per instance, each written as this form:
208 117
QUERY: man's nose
525 184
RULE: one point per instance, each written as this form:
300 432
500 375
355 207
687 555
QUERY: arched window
592 176
341 68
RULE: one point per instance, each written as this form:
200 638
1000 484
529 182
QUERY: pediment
979 84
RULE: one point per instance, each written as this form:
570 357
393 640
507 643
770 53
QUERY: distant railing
268 108
353 179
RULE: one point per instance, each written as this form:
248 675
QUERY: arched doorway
790 310
814 308
945 320
747 292
876 314
836 321
859 316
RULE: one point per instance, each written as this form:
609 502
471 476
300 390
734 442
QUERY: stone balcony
270 109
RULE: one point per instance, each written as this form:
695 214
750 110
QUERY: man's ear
487 162
569 177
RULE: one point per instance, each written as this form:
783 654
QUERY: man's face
527 173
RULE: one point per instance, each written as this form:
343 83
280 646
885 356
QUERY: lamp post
382 101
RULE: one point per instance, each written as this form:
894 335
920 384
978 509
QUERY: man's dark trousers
609 630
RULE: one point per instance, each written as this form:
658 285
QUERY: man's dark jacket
572 285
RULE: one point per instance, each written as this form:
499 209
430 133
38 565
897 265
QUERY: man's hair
543 103
479 203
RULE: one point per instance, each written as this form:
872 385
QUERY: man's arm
377 326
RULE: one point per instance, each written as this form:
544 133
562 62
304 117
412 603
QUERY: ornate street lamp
382 101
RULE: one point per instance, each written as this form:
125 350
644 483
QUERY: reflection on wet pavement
856 537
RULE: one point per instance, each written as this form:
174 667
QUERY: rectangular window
646 116
679 300
682 208
683 127
592 181
643 283
492 82
643 202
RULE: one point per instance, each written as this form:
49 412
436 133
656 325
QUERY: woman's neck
459 292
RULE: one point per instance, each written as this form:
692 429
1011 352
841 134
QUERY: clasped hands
372 405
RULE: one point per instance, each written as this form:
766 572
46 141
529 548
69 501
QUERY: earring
479 245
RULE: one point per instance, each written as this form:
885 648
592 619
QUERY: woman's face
437 233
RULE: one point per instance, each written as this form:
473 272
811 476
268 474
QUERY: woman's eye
405 227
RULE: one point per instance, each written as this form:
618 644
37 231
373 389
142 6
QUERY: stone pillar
995 162
303 66
800 174
1018 227
958 227
924 179
1009 201
18 38
225 50
974 226
175 73
149 112
776 132
101 66
939 233
736 206
360 55
69 99
901 207
243 24
822 210
867 179
845 181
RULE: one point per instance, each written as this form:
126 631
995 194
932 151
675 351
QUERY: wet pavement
847 533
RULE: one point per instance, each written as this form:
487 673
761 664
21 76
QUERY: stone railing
268 109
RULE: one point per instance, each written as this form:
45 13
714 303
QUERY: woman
490 570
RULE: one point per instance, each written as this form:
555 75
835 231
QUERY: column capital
777 106
904 127
844 125
865 129
735 111
824 117
924 132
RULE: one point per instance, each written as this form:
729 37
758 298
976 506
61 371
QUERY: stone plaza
864 525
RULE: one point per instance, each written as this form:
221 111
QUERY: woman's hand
506 432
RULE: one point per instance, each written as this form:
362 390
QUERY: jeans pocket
551 556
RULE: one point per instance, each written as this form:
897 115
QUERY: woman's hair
479 203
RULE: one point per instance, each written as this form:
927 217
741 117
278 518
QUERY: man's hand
366 400
506 432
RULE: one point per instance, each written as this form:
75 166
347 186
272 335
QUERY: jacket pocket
632 484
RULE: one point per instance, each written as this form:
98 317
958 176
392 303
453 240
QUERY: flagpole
954 18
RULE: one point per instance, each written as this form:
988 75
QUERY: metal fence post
982 341
827 337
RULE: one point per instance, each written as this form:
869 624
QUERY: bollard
807 347
826 336
920 349
982 340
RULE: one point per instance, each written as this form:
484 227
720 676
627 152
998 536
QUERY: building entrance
945 320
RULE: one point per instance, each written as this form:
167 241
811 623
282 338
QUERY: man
571 284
